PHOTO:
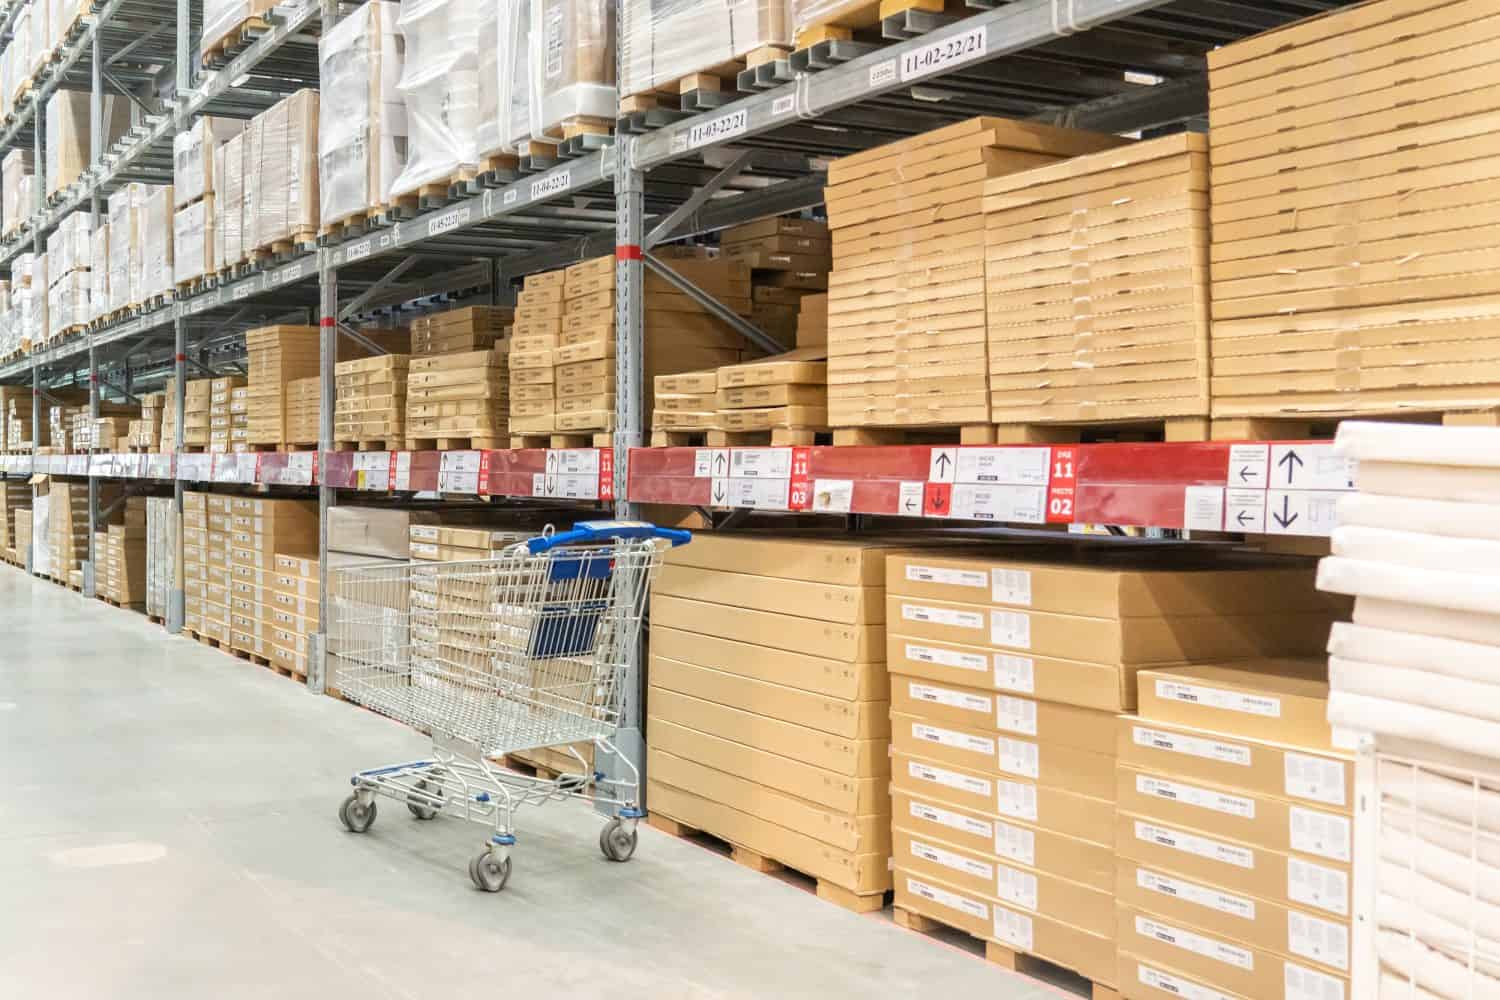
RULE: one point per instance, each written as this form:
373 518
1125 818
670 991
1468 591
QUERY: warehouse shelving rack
1111 65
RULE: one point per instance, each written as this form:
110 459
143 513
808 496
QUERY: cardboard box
830 640
1237 815
814 560
852 719
833 678
985 751
824 602
374 531
1324 780
1088 685
1285 701
1295 933
980 710
1154 953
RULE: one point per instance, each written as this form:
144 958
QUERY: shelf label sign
1062 486
448 221
710 463
944 55
458 472
720 128
799 492
400 470
606 474
937 500
551 184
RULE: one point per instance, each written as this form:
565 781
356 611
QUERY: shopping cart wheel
420 807
617 843
488 872
355 815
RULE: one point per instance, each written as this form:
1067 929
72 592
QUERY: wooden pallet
210 641
538 771
434 194
680 438
755 861
499 163
706 89
775 437
470 443
156 620
219 49
1007 958
1082 432
354 224
245 654
951 434
1313 427
375 444
842 25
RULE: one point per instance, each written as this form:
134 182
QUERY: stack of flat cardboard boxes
789 259
123 557
1006 677
370 401
458 396
146 432
684 402
785 392
258 530
1096 286
1353 258
1234 836
197 401
218 573
534 342
768 705
194 559
15 507
222 422
302 400
585 377
907 343
291 606
17 199
277 356
472 328
194 185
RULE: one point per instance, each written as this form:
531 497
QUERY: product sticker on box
1190 843
1018 757
1010 628
1317 886
1315 778
950 859
1016 887
1307 984
1016 800
951 900
1013 928
951 819
1169 983
949 738
1016 843
1236 906
1318 939
944 575
941 776
1319 833
1219 951
1229 701
946 657
1015 673
953 699
1194 746
1203 798
1015 715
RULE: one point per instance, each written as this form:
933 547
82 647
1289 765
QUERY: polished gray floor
168 830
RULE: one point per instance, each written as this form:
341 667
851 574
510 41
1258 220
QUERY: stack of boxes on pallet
120 575
585 376
472 328
222 422
15 507
69 259
218 561
266 197
1006 677
906 300
788 259
1097 286
291 607
458 399
302 400
786 394
1353 260
145 433
194 559
277 355
195 155
69 137
17 199
684 403
534 342
1234 836
370 402
197 407
768 705
259 529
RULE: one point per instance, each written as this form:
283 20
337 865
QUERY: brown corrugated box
981 710
862 720
1285 701
1172 954
833 677
1057 765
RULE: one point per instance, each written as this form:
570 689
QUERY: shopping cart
519 652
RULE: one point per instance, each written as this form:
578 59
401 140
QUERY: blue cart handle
593 531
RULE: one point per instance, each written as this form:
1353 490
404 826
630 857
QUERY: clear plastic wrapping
34 303
156 227
286 184
230 203
99 271
193 159
15 191
67 302
362 139
220 17
40 47
193 240
125 207
67 147
250 207
662 41
572 64
513 76
808 13
69 246
440 84
20 50
161 553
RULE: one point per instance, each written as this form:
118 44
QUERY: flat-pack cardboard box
921 890
815 560
1159 958
374 531
834 678
984 710
1101 686
841 717
1324 780
831 640
1290 931
1029 889
1284 701
849 605
1256 818
1057 765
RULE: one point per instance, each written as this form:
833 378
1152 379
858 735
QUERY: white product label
1168 983
1018 757
833 496
951 819
1016 843
944 575
447 221
883 73
953 699
1311 467
1247 466
1245 510
948 859
1015 715
1301 512
1016 504
951 900
1307 984
1193 746
1015 673
1010 628
1219 951
1191 843
940 776
1212 697
1016 800
1203 508
551 184
1016 886
1315 778
948 738
1320 833
942 616
1317 886
1010 586
945 657
940 56
783 106
718 129
1318 939
1013 928
710 463
1191 892
1192 795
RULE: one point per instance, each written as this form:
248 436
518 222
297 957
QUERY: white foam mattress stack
1418 669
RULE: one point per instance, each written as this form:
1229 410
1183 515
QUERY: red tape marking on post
182 358
629 251
328 321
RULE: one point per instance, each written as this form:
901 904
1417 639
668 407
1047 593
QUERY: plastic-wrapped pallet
285 190
503 80
63 16
1415 673
20 47
440 84
69 247
193 156
362 127
161 554
662 41
229 202
126 210
572 67
67 303
222 17
99 271
157 224
15 188
40 47
35 316
193 241
68 134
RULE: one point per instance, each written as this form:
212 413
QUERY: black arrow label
719 461
937 501
910 503
718 492
943 461
1243 517
1286 517
1291 460
1245 473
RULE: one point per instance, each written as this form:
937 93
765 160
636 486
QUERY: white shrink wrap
662 41
193 240
193 157
440 84
572 67
157 223
362 140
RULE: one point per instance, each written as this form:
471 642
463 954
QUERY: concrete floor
168 829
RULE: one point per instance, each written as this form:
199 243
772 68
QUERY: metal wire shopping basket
526 650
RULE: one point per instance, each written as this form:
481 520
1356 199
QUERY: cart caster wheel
489 873
617 843
420 808
356 816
